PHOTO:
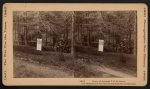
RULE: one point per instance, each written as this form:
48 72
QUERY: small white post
39 44
101 45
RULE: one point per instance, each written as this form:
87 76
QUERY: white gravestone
101 45
39 44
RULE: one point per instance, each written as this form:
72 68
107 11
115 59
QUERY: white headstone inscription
101 45
39 44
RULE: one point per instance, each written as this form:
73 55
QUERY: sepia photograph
75 44
78 44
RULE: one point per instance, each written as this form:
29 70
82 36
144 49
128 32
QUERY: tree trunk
72 41
88 38
135 36
54 39
130 33
25 38
25 30
46 37
66 35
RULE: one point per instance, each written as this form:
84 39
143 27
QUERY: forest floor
52 64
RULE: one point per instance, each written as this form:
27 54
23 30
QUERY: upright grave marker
101 45
39 44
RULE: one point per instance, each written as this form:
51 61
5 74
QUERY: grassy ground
54 64
33 65
34 70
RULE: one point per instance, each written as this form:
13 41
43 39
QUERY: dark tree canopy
89 26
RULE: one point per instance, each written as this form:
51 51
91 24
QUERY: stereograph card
68 44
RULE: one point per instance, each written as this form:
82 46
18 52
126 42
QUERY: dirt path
27 69
109 71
